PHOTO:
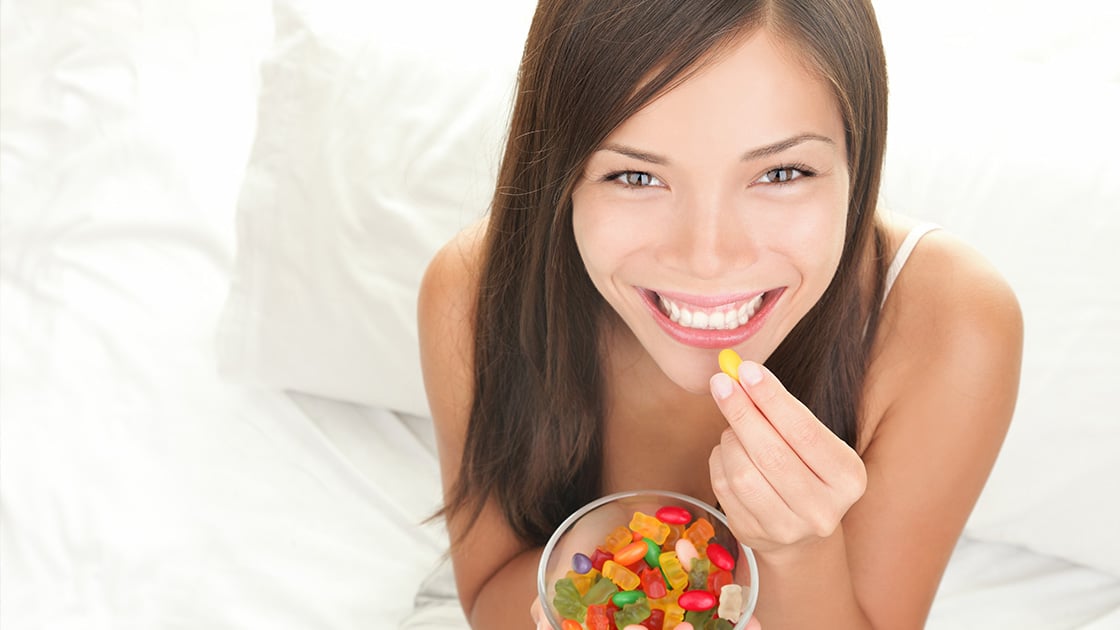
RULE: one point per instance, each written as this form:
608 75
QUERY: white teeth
710 320
715 322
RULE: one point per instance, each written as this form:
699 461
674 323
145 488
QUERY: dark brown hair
534 441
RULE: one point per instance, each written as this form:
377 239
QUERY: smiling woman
645 220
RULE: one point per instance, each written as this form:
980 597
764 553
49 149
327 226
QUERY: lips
710 321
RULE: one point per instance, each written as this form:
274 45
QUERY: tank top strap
903 254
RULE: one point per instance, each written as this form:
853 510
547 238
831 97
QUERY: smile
707 321
724 317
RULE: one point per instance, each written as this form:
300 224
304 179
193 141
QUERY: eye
784 175
634 179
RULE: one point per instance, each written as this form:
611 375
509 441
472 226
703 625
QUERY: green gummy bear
600 592
567 601
698 575
632 614
699 618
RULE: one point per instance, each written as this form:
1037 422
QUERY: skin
862 535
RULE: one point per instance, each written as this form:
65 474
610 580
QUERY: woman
680 178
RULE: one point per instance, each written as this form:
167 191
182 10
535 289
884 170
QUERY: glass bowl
589 527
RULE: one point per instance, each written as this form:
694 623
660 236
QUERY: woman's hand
781 476
538 615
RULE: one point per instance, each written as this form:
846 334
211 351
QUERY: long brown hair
534 441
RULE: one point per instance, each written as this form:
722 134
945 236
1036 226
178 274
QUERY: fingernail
750 373
722 385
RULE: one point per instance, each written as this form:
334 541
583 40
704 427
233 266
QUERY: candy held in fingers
729 361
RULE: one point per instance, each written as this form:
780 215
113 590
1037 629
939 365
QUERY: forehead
753 92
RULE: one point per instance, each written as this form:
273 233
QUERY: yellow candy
674 572
583 582
674 615
623 578
729 362
618 539
649 527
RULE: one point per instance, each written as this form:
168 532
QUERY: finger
753 624
814 443
767 450
742 491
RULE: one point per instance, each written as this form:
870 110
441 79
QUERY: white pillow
379 134
1013 148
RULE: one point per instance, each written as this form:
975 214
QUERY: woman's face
715 216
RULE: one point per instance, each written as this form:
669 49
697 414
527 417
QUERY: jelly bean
600 593
623 598
700 532
729 362
673 515
653 584
626 579
580 563
631 553
568 624
567 601
674 572
597 618
598 557
649 527
634 613
684 625
720 556
618 539
686 552
653 552
696 600
731 602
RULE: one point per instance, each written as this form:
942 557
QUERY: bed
213 217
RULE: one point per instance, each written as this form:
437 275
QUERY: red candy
717 579
672 515
653 584
597 617
599 558
655 620
720 556
697 601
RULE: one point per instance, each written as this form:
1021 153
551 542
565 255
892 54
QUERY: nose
708 237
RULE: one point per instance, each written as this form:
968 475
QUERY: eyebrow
753 154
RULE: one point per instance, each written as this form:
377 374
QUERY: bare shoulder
941 390
950 303
950 321
445 318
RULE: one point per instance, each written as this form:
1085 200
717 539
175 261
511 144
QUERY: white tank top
903 254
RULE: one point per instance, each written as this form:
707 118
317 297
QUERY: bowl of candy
647 559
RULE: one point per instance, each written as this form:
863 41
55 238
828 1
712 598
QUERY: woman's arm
945 376
494 572
862 545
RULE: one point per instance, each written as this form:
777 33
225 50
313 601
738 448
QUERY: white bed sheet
139 490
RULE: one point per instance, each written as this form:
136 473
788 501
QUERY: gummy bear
600 592
632 613
567 601
698 576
